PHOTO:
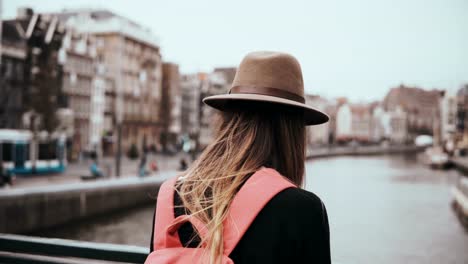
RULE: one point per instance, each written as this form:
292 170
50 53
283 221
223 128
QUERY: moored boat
460 200
436 158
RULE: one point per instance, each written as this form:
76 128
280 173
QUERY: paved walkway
129 168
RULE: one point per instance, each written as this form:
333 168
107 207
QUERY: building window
7 151
19 71
73 79
8 69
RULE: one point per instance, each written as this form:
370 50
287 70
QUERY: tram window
26 151
53 150
47 151
43 151
7 152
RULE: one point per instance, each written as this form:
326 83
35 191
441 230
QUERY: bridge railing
26 249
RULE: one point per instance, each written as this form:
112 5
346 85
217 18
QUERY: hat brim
312 116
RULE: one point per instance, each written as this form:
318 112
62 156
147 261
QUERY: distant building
344 123
353 122
421 108
84 86
379 124
171 103
331 110
228 72
398 120
319 134
98 104
462 116
13 74
30 92
191 102
131 57
197 118
361 117
211 84
448 116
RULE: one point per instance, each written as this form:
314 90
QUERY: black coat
291 228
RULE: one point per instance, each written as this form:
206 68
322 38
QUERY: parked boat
460 200
436 158
423 140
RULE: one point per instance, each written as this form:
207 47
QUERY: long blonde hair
247 138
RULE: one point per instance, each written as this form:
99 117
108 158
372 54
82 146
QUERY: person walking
182 164
241 201
6 178
142 165
94 168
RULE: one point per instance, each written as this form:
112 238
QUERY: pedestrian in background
182 164
154 165
6 178
95 170
241 200
142 165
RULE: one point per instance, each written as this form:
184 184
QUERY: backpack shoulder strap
164 212
256 192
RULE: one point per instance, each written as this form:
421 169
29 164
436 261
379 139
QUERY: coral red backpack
260 188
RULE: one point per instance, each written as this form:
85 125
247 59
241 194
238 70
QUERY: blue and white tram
21 155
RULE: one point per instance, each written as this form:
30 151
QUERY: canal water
382 209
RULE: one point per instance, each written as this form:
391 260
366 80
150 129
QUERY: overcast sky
357 49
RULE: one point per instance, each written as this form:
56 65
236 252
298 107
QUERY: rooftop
98 21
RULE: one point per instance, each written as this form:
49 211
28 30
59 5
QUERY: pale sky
357 49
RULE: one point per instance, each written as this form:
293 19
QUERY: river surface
381 209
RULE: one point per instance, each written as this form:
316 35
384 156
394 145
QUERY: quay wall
356 151
32 209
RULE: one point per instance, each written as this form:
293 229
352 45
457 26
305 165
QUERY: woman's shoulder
296 197
294 214
296 203
294 221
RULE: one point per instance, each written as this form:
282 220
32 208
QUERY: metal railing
26 249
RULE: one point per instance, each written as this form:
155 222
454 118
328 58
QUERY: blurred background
100 101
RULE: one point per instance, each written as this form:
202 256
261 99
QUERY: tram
20 154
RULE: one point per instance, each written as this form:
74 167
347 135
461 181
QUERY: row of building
89 74
93 75
403 114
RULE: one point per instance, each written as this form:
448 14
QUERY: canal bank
33 209
361 151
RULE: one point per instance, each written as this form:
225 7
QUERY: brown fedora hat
269 77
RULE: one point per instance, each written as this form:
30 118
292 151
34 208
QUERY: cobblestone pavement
129 168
